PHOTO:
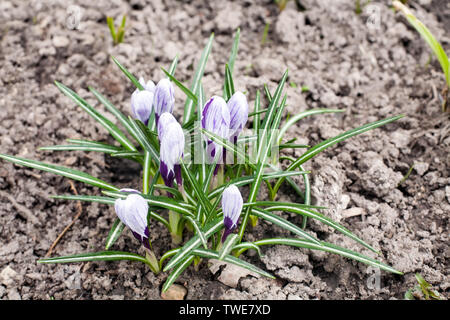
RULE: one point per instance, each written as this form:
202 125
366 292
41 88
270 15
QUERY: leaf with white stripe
60 170
96 256
114 233
228 244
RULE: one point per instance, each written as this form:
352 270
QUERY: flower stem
175 232
153 261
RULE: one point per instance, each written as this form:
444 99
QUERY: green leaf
332 141
190 103
108 125
118 114
176 272
60 170
230 259
128 74
188 92
112 29
229 84
139 133
99 148
283 223
114 233
242 181
98 199
307 212
429 39
234 50
244 246
96 256
193 243
196 187
227 246
262 151
173 65
328 247
198 230
300 116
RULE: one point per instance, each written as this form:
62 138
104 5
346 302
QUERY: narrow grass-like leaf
190 103
98 199
114 233
112 29
428 37
283 223
244 246
146 174
230 259
196 187
262 152
96 256
177 271
300 116
72 147
242 181
128 74
108 125
307 212
194 243
198 230
173 65
117 113
228 245
60 170
234 50
332 141
328 247
186 91
229 84
141 137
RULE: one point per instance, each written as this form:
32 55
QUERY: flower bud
172 147
231 206
165 119
216 119
238 108
164 97
141 105
133 211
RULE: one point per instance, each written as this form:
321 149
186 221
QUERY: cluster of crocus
160 97
224 119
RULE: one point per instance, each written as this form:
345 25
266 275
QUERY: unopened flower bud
232 207
238 108
165 119
216 119
172 147
164 97
133 211
141 105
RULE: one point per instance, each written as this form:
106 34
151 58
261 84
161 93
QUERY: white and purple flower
172 146
238 108
142 101
133 211
232 207
164 99
216 119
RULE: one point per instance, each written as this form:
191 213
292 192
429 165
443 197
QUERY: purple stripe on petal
177 169
226 233
229 224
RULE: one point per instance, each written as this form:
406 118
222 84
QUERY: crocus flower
231 206
164 120
216 119
172 147
164 97
141 105
132 211
238 108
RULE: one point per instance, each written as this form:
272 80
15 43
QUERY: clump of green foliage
422 291
119 34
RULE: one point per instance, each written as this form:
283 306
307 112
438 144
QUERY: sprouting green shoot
265 33
432 42
118 35
422 291
406 175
